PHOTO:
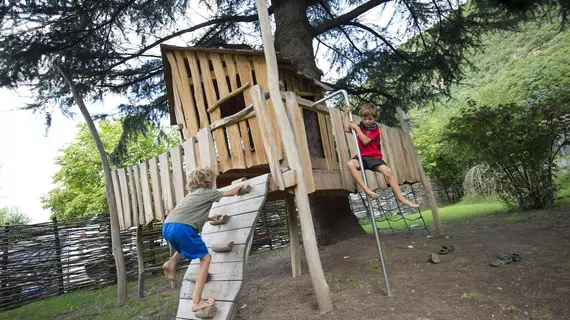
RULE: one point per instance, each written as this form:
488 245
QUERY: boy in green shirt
183 225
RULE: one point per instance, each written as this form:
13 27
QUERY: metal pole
372 218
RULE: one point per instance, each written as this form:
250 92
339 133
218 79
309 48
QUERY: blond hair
369 110
200 178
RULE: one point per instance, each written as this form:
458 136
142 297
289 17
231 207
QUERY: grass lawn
461 212
160 303
464 212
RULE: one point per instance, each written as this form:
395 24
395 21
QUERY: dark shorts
185 240
370 163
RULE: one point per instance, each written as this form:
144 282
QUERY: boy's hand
353 125
348 109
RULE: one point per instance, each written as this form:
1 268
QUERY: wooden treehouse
209 94
219 100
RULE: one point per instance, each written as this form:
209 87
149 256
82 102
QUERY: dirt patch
462 286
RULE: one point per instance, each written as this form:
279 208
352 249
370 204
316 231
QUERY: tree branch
335 50
250 18
327 9
340 20
379 36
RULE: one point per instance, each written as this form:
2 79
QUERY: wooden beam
296 119
319 281
308 104
293 237
227 97
206 148
267 135
289 179
244 114
427 184
327 179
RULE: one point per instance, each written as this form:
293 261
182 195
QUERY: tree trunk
333 219
115 232
294 35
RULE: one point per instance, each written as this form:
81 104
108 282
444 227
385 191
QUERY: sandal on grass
501 260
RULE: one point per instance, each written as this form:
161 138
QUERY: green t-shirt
193 210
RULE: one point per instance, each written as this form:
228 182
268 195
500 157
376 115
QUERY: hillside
510 66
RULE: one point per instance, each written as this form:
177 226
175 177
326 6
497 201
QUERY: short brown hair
369 110
200 178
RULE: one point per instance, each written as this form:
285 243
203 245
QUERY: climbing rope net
389 214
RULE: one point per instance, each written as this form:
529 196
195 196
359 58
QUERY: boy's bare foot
371 194
169 271
407 202
203 304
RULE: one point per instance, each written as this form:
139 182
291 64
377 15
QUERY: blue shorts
185 240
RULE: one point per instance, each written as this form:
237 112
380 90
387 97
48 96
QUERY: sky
28 152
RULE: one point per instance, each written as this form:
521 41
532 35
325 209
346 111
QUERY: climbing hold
206 313
223 247
239 180
244 189
192 277
219 220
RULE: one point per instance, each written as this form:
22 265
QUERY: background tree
519 142
111 46
80 189
13 215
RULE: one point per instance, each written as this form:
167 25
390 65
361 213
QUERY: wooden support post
427 185
267 135
293 237
59 268
292 155
140 259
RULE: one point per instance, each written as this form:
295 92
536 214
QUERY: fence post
5 243
59 267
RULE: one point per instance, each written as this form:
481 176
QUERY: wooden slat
295 114
134 194
234 222
186 96
225 310
147 195
257 157
245 206
268 135
198 90
190 154
178 180
223 271
335 160
166 183
156 192
261 77
178 110
219 134
325 140
238 236
206 147
118 198
237 254
219 290
242 125
342 148
140 200
125 198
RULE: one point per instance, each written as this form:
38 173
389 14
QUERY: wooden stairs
226 269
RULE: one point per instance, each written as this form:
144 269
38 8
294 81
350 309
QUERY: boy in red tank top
368 133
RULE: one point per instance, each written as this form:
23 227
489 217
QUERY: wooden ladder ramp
226 269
